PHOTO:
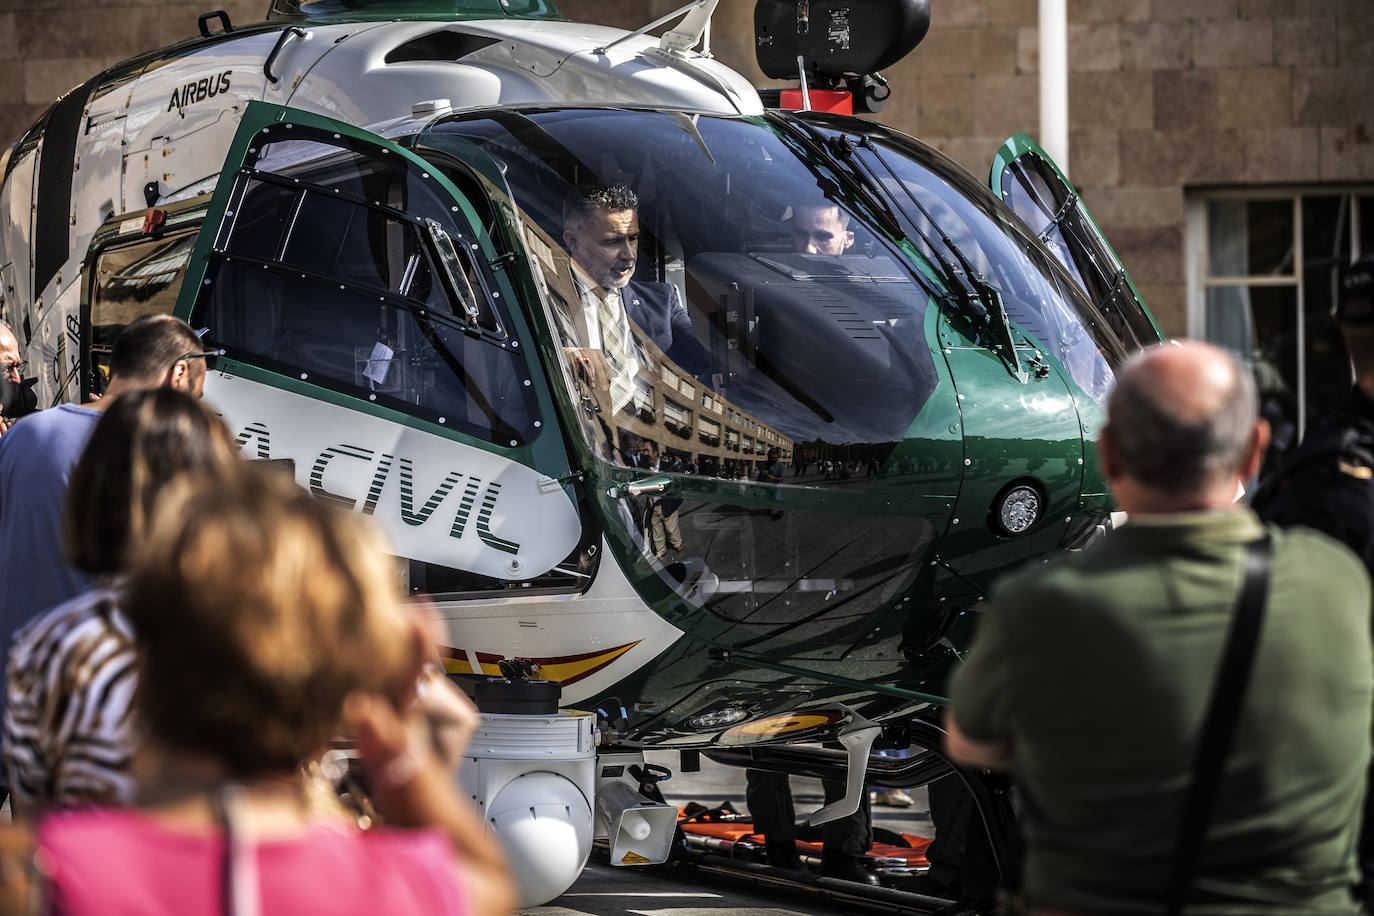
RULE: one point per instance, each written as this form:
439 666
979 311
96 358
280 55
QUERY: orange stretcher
727 830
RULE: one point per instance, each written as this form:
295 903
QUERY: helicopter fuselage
369 217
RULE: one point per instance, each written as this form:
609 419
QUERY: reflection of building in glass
695 426
130 277
141 278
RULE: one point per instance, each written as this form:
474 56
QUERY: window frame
465 233
120 231
546 451
1198 259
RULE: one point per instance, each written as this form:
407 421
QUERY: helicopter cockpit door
1027 179
372 342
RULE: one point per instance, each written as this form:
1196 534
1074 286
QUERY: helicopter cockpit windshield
721 289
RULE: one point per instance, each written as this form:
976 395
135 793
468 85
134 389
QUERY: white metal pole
1054 81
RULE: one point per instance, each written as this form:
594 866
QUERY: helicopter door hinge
500 261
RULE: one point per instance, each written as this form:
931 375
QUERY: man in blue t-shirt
38 452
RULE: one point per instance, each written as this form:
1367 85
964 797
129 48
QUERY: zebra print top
69 721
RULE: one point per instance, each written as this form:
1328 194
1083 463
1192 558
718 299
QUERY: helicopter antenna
695 25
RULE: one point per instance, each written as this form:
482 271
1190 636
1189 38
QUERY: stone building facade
1221 144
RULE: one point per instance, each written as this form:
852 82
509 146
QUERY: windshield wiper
880 205
840 151
981 299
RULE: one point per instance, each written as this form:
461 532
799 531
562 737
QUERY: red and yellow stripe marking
566 669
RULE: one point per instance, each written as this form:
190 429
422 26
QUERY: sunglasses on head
210 357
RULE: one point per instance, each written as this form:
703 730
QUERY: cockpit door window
350 266
129 278
1028 180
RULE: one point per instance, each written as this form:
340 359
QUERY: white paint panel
16 234
55 351
183 114
438 501
98 170
608 615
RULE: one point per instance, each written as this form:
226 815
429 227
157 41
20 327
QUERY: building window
674 413
643 397
1263 267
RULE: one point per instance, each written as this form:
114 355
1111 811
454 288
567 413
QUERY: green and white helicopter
363 204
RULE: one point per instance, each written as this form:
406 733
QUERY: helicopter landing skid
717 866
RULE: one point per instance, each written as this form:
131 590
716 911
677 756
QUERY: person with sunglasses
37 455
12 388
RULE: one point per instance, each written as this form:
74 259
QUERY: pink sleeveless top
118 862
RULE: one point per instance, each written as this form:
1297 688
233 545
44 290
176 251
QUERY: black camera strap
1219 725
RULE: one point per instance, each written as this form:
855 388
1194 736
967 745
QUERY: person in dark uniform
1327 483
844 841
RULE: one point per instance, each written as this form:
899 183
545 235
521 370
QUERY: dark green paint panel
1014 432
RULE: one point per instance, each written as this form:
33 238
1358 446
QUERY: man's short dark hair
588 198
1163 449
840 213
150 345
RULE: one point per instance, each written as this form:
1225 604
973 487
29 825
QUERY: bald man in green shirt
1090 678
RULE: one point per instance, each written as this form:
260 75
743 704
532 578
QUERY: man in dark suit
601 232
658 311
